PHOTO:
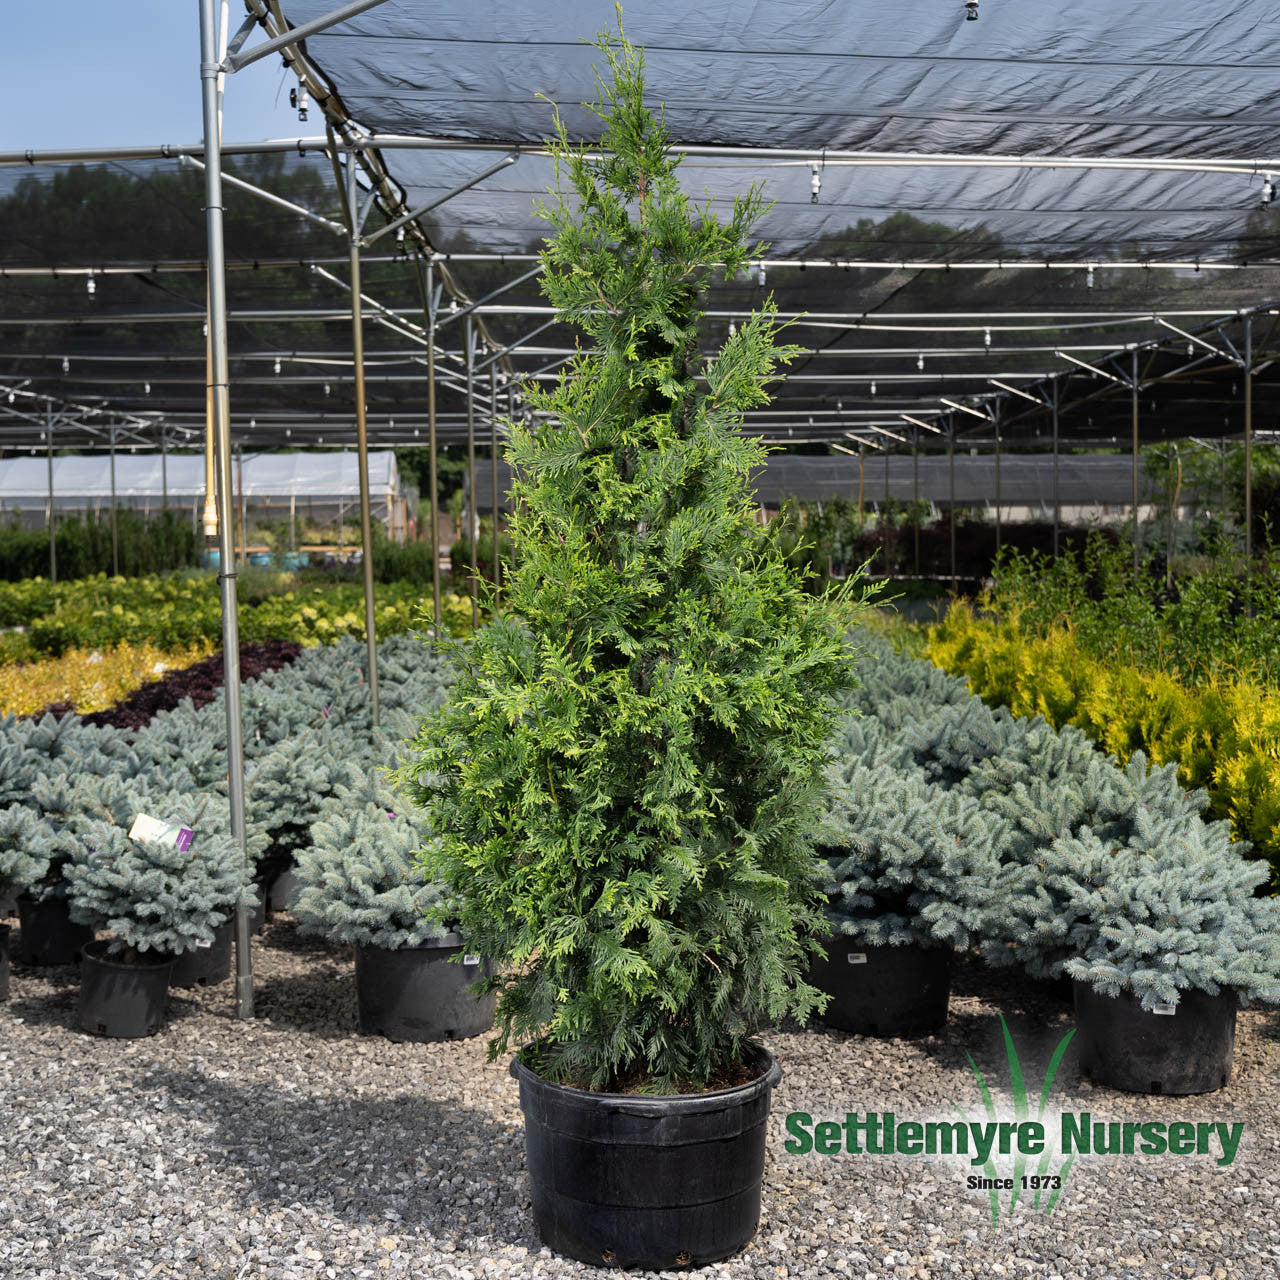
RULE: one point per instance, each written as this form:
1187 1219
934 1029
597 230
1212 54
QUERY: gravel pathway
290 1147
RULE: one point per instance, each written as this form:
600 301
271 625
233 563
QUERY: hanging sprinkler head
1268 190
971 10
815 183
299 101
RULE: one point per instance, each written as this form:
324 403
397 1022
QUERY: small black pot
124 1000
646 1182
416 993
47 934
4 961
884 991
1125 1046
204 966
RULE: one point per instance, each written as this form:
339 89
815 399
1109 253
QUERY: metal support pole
915 500
53 539
293 522
1173 497
1133 390
431 443
1057 505
220 383
951 467
362 442
473 525
115 534
164 470
242 541
999 525
493 453
1248 444
861 481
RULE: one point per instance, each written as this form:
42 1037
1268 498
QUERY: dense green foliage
154 544
622 781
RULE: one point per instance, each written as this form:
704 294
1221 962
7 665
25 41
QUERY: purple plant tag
183 842
326 713
391 813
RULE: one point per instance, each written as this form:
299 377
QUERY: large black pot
1123 1045
125 1000
419 994
646 1182
883 991
204 966
47 934
4 961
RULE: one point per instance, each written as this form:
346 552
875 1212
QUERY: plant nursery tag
148 828
203 944
857 957
1167 1009
470 959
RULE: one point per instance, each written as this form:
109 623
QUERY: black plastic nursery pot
655 1183
419 994
1182 1048
203 966
47 934
4 961
883 991
123 1000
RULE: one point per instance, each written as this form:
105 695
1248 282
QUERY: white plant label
146 827
203 944
470 959
857 957
1168 1010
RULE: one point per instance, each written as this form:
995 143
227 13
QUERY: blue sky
93 73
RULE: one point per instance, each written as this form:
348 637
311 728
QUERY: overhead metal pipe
362 444
220 385
414 214
242 59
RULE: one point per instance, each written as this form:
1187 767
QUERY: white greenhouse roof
264 475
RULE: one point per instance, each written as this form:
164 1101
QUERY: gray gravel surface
290 1146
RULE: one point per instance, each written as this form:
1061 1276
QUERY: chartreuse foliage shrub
1223 734
622 782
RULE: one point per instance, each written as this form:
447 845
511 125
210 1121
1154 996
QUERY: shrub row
1223 734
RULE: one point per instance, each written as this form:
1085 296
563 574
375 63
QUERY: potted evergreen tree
914 874
623 783
157 901
358 883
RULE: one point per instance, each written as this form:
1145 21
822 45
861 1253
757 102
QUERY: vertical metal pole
220 383
1134 403
431 442
995 418
473 524
884 517
242 542
53 539
1057 506
861 480
915 498
293 521
1168 553
493 453
951 467
362 439
164 470
115 536
1248 444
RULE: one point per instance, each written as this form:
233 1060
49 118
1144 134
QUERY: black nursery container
646 1182
1125 1046
884 991
203 966
419 994
4 961
47 934
122 1000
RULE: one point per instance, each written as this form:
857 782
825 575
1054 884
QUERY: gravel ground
290 1146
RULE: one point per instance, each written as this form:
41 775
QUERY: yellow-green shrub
1223 734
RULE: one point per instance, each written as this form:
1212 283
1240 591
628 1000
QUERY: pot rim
452 939
160 962
664 1103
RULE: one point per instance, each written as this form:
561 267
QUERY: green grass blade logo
1044 1179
